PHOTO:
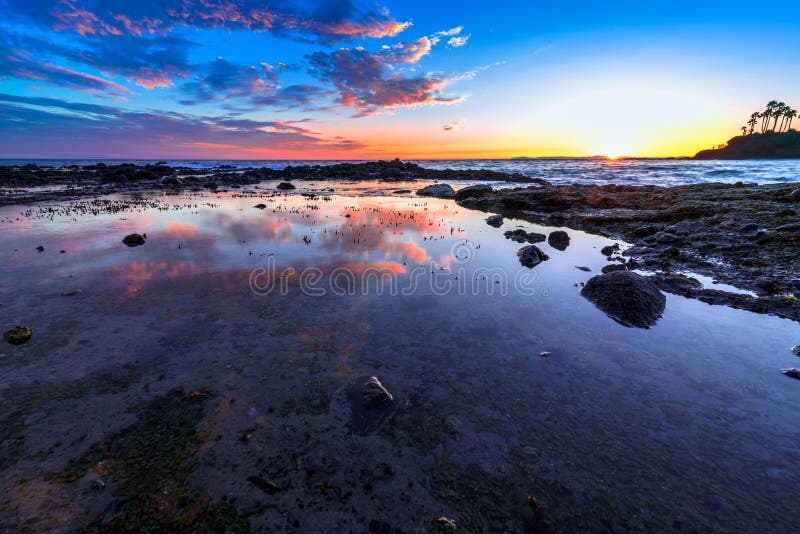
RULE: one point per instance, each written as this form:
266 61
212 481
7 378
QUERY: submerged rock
473 191
521 236
530 256
609 250
18 335
133 240
630 299
285 186
495 220
437 190
559 240
792 373
260 206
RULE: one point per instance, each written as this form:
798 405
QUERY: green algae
151 461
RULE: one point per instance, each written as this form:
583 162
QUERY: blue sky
253 79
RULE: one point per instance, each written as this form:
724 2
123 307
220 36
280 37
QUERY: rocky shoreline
743 235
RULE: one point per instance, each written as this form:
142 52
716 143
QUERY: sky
352 79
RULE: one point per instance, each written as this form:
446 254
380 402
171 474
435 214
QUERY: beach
218 373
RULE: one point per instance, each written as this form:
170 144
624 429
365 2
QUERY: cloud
49 127
321 19
457 42
367 81
453 126
21 65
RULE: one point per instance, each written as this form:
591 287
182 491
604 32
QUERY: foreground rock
521 236
133 240
630 299
285 186
437 190
558 239
530 256
18 335
473 191
792 373
495 220
741 235
370 404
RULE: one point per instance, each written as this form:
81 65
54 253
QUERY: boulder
375 395
437 190
18 335
260 206
629 298
473 191
495 220
559 240
613 267
609 250
133 240
530 256
286 186
792 373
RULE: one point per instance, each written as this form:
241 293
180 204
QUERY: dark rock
495 220
18 335
40 248
748 228
375 395
443 524
437 190
402 191
260 206
133 240
613 267
473 191
266 486
630 299
286 186
370 404
768 286
609 250
795 195
211 186
521 236
582 268
530 256
792 373
796 350
559 240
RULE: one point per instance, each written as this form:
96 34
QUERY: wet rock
609 250
71 293
402 191
18 335
544 354
375 395
768 286
473 191
443 524
792 373
795 195
267 486
40 248
98 485
133 240
211 186
748 228
582 268
260 206
614 267
630 299
285 186
437 190
796 350
559 240
530 256
521 236
495 220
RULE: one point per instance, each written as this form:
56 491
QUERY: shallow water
649 171
686 426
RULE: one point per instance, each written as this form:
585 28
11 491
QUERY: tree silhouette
779 113
752 122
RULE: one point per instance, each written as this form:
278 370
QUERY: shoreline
743 235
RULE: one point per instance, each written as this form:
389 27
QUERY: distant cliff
769 145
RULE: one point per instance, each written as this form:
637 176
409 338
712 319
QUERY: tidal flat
204 380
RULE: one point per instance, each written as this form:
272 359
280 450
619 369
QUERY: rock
286 186
665 238
473 191
559 240
544 354
768 286
375 395
71 293
795 195
612 267
792 373
521 236
582 268
267 486
609 250
495 220
443 524
211 186
40 248
260 206
630 299
796 350
133 240
530 256
437 190
18 335
748 228
98 485
402 191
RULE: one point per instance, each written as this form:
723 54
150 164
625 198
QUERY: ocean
652 171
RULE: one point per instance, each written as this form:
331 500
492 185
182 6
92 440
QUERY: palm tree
752 122
790 114
744 130
777 113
